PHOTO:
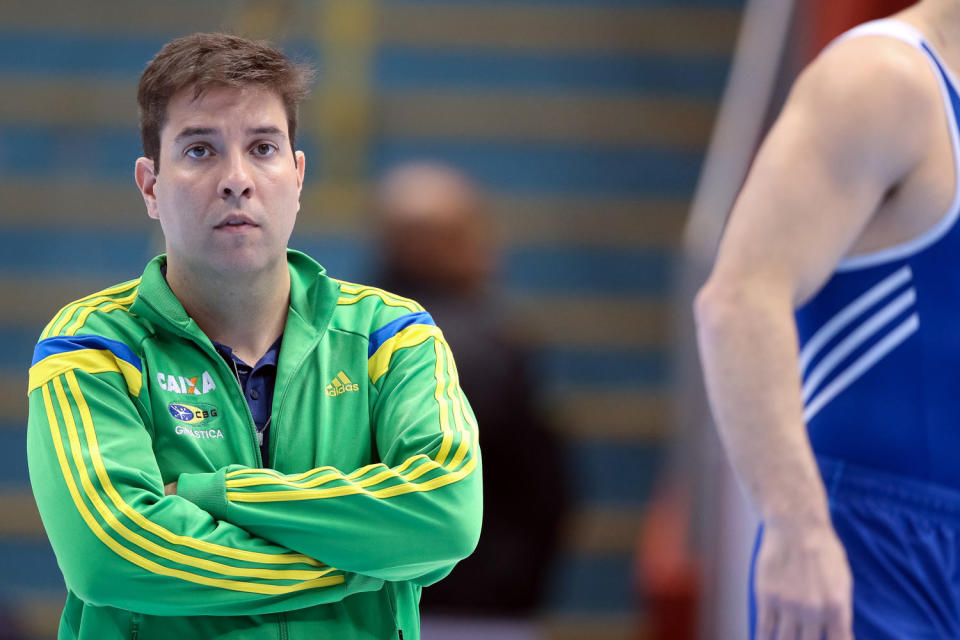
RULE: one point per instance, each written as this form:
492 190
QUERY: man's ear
301 160
146 179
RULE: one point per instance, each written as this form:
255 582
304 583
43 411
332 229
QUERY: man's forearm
412 519
748 347
120 544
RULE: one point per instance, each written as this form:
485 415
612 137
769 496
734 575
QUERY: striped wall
586 120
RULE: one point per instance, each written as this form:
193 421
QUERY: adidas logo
341 384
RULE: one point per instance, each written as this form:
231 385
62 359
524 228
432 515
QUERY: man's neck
939 20
245 313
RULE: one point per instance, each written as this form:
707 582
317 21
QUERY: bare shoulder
858 120
868 85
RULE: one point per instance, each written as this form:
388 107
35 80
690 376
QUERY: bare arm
853 128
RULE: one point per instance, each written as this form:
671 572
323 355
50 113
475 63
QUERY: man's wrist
206 490
802 518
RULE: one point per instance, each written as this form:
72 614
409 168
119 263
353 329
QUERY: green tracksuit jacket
374 491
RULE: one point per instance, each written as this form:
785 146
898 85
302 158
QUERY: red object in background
824 20
667 570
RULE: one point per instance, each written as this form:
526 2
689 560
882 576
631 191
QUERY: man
848 216
319 460
437 244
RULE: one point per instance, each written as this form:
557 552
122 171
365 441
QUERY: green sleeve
118 540
411 517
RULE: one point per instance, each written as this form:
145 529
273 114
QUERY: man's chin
247 266
229 265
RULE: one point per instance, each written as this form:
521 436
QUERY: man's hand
170 489
804 589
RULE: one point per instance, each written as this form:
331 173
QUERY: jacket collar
313 298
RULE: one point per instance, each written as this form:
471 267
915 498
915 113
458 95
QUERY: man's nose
236 180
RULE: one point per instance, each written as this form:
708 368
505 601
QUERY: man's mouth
235 222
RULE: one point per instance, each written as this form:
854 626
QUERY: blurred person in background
236 444
438 243
10 626
840 242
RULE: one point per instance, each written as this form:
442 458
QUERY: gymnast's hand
803 586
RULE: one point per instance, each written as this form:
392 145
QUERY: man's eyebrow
190 132
266 131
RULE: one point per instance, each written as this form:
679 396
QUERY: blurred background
559 149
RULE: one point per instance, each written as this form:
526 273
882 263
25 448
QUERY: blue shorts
902 537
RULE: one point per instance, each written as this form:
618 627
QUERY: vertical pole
347 31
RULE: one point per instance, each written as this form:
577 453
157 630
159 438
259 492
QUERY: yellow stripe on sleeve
87 307
147 545
73 306
385 473
152 527
140 561
88 360
389 492
257 477
379 362
356 292
300 476
441 399
459 412
449 399
353 299
82 317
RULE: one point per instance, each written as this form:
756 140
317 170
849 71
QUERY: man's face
229 189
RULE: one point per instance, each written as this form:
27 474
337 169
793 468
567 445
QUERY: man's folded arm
410 517
118 540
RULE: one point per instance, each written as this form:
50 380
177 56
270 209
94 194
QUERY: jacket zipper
250 423
282 623
283 399
135 626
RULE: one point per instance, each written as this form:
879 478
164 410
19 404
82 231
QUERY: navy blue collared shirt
257 383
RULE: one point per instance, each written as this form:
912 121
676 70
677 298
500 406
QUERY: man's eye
198 151
264 149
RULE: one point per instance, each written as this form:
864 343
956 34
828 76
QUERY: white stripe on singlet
861 365
845 316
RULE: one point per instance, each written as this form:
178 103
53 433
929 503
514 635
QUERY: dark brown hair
207 60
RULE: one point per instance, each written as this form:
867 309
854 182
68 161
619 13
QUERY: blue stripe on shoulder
63 344
394 327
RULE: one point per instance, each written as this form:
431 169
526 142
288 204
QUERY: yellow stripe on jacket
88 360
379 362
